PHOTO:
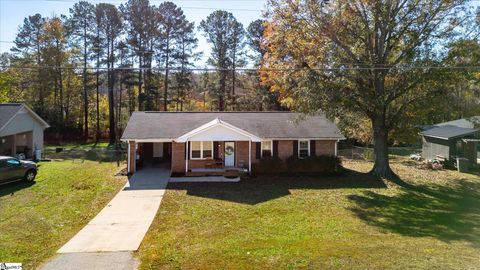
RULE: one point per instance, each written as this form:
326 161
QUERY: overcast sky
12 13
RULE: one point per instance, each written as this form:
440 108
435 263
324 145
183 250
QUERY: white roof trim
147 140
215 123
307 138
448 138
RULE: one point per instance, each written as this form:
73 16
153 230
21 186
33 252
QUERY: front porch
226 158
215 149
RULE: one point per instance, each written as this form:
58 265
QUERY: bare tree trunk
221 98
381 166
140 74
111 108
97 137
165 86
233 80
85 94
55 95
60 85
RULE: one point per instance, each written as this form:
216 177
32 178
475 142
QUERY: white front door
229 154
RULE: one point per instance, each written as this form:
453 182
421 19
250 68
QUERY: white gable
217 130
21 122
219 133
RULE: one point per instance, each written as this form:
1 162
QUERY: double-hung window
303 148
201 150
266 147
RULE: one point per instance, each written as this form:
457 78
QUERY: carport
21 131
149 154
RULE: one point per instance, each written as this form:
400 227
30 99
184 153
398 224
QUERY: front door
229 154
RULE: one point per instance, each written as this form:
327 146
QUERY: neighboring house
21 130
200 143
456 138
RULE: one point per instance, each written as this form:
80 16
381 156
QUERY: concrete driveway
123 223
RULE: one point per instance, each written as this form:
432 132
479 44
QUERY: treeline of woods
85 72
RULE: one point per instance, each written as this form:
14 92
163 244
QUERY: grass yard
426 220
37 219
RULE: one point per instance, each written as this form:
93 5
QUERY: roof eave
448 138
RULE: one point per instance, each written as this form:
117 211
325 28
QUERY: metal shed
450 139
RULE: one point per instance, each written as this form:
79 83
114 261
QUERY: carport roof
272 125
448 132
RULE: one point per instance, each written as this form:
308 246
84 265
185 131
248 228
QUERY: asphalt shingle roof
170 125
7 111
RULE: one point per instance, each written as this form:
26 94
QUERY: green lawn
83 146
90 151
37 219
426 220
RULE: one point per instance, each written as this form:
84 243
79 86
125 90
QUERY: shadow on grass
11 188
448 213
264 188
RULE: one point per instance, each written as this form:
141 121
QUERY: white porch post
186 156
128 157
249 156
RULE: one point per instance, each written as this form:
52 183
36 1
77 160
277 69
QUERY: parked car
12 169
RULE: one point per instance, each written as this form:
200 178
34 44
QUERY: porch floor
203 179
215 169
226 171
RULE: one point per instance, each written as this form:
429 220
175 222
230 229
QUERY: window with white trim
303 148
201 150
266 147
207 149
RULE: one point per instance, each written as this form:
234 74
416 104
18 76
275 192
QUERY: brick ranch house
216 143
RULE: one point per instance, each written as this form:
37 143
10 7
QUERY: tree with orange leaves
366 57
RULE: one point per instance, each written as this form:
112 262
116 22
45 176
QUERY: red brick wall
199 163
325 148
254 152
241 154
285 149
178 157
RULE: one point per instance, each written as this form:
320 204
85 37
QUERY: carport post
131 156
249 156
128 158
